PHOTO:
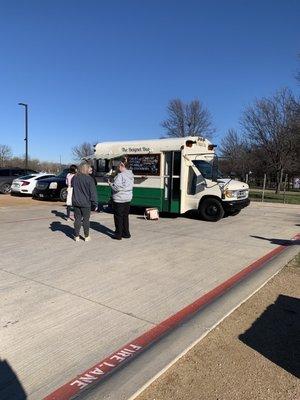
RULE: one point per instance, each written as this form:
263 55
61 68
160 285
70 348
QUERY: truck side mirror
200 183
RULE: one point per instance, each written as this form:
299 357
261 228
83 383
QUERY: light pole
26 133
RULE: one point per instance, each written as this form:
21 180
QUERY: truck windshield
208 170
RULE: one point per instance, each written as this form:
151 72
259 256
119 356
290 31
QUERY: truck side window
191 189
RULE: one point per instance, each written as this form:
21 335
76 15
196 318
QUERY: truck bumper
235 205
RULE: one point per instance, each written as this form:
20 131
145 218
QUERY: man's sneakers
86 239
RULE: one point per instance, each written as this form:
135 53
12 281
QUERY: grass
271 197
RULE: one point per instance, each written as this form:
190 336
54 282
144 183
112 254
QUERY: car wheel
211 210
63 194
5 188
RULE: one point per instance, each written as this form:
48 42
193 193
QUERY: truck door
172 181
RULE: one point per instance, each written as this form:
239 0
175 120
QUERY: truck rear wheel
211 210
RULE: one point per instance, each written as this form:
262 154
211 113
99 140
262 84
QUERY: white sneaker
76 238
87 239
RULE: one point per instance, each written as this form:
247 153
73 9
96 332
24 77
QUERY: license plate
241 194
41 195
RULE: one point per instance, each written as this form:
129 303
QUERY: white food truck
174 175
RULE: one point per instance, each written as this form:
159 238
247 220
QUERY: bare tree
82 150
5 154
190 119
35 164
235 153
271 125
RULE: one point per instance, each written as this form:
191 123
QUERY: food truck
174 175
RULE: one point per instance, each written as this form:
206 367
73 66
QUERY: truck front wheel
211 209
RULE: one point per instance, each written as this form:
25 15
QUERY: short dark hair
124 161
73 169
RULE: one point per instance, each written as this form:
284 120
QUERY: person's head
84 168
123 165
73 169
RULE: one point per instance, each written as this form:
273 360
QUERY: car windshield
208 170
63 174
26 177
40 178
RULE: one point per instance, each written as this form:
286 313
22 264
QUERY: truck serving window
144 164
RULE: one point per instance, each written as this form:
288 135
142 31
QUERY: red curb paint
126 353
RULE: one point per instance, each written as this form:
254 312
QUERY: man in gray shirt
122 195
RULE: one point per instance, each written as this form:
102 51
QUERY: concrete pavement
67 305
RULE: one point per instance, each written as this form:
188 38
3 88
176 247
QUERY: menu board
144 164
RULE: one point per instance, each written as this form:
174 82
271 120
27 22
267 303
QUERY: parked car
7 175
52 188
26 184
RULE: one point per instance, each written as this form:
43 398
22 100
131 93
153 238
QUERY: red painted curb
126 353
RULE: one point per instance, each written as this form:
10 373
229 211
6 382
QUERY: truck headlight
53 185
231 194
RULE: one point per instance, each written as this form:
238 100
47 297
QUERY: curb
128 352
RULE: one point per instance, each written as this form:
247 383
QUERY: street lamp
26 133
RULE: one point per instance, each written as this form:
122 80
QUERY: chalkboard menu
144 164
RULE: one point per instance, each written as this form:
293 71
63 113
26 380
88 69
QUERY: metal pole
264 187
280 181
247 177
284 188
26 133
26 136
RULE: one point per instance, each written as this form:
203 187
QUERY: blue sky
94 70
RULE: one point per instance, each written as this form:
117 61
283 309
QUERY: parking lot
67 305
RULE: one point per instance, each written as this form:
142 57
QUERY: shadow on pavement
96 226
276 334
59 214
280 242
57 226
10 386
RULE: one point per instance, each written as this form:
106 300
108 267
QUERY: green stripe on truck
142 197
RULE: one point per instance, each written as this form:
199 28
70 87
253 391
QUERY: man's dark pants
121 217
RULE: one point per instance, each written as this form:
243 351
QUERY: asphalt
66 305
